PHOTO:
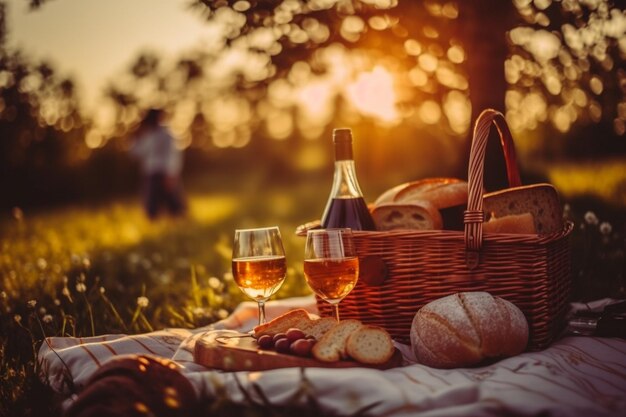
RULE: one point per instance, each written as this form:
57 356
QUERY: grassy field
85 270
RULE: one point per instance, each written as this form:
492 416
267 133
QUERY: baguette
420 215
464 329
443 199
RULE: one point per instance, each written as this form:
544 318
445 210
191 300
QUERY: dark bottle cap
342 138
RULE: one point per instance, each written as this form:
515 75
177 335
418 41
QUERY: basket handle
474 215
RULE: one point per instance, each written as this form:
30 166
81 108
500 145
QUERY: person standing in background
161 166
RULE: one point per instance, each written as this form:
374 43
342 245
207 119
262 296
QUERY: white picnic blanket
576 376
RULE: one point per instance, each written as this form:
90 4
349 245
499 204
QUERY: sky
93 40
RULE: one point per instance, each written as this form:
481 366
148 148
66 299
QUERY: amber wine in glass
259 266
331 267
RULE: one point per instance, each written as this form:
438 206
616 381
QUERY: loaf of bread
419 215
447 197
132 385
515 223
541 200
463 329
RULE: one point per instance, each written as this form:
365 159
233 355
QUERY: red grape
282 345
294 334
278 336
301 347
265 341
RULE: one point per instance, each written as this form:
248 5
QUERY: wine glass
331 266
259 266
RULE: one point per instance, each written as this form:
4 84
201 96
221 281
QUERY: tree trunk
483 29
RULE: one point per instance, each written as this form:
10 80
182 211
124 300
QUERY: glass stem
336 308
261 312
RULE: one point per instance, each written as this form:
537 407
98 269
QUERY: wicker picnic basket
531 271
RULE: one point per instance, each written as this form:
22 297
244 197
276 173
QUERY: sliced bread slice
371 345
294 318
332 346
318 328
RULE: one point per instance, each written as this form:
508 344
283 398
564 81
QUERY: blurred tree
41 128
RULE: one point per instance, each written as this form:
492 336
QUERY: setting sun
372 93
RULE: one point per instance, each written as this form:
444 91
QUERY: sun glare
372 94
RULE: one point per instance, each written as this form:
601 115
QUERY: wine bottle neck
345 183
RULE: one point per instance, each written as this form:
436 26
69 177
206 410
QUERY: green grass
79 271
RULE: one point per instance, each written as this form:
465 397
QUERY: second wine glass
331 266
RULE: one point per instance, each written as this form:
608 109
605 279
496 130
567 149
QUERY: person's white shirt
156 150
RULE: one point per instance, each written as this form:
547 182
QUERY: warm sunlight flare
372 93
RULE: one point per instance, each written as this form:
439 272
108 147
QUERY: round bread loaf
463 329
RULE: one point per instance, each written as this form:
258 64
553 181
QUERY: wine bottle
346 206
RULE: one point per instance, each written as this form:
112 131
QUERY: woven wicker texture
531 271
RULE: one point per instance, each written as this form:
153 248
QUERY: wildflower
18 214
222 313
47 319
143 301
81 278
75 259
65 280
214 283
66 292
102 290
591 218
31 303
42 263
3 295
42 311
57 302
606 228
81 287
17 318
86 262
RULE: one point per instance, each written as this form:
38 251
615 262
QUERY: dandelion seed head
31 303
57 302
3 295
591 218
42 263
47 319
214 283
42 311
143 301
17 318
102 290
86 262
222 313
606 228
65 280
75 259
81 278
81 287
